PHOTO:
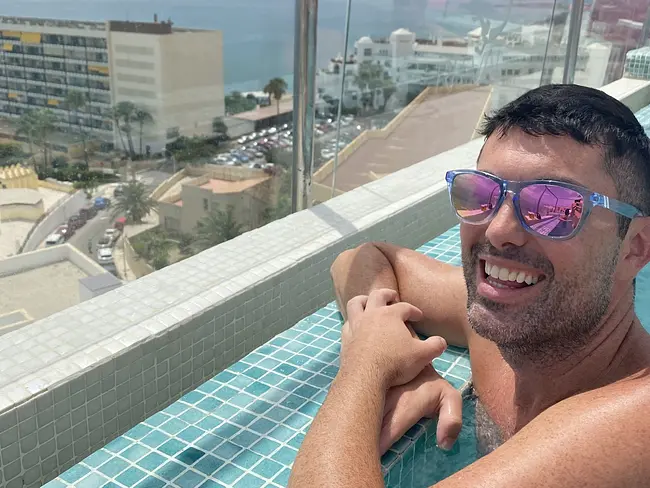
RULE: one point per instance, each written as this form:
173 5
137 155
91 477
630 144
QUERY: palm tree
135 202
219 126
276 88
44 120
155 249
216 227
75 101
27 127
115 115
123 114
142 117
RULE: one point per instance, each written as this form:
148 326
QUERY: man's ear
636 246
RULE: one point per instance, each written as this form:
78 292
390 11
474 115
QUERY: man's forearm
341 448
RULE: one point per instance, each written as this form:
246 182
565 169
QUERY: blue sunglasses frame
591 199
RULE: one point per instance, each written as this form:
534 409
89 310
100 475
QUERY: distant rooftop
75 24
225 186
19 196
261 113
37 284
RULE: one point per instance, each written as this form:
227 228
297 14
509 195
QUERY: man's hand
376 339
426 395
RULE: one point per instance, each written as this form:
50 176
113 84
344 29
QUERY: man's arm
436 288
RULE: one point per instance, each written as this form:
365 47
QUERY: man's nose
505 229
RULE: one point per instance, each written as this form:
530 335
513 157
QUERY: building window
367 51
206 204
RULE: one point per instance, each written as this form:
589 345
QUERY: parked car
120 223
112 234
76 222
118 191
101 203
105 255
54 240
242 139
65 230
87 213
104 242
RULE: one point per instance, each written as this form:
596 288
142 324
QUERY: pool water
642 299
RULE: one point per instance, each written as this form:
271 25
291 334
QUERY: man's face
571 280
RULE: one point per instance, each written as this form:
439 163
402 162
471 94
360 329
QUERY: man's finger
407 312
356 306
433 347
381 298
450 418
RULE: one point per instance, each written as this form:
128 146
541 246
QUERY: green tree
191 149
216 227
219 126
11 153
236 103
44 120
88 185
369 78
27 127
142 117
185 244
156 249
124 115
134 202
76 101
276 88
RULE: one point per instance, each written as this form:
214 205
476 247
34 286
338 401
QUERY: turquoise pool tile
272 379
238 367
209 442
170 470
255 372
151 462
262 426
173 426
246 459
256 389
293 402
93 480
208 423
190 434
131 476
265 446
320 381
268 363
157 419
242 399
243 418
278 413
282 433
228 474
288 385
297 421
56 484
227 430
209 464
279 341
226 411
190 455
227 450
253 358
225 393
113 467
267 468
296 440
241 382
192 397
155 438
75 473
172 446
190 479
209 387
224 376
209 404
282 479
245 438
281 354
285 369
274 395
96 459
151 482
117 445
135 452
138 432
249 481
285 455
306 391
310 409
212 484
192 415
259 406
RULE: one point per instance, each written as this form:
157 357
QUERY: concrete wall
20 211
138 265
43 257
57 216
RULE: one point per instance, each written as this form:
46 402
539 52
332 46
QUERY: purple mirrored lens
474 197
551 210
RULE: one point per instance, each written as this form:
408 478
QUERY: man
559 359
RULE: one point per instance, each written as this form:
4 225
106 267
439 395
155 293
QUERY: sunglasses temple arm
617 206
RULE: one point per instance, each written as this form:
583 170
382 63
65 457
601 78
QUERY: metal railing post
304 94
573 40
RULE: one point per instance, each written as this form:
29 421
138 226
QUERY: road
95 227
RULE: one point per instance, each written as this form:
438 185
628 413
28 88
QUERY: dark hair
590 117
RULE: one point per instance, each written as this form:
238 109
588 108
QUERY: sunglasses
545 208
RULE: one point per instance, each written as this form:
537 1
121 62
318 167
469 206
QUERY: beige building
250 192
175 74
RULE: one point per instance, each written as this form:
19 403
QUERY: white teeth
505 274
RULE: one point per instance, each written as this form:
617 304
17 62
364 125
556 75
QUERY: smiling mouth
509 278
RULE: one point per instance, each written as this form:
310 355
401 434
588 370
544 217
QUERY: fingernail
446 444
443 342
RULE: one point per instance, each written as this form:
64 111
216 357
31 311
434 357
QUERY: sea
258 34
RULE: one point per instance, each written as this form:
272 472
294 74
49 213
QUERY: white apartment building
174 74
518 51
